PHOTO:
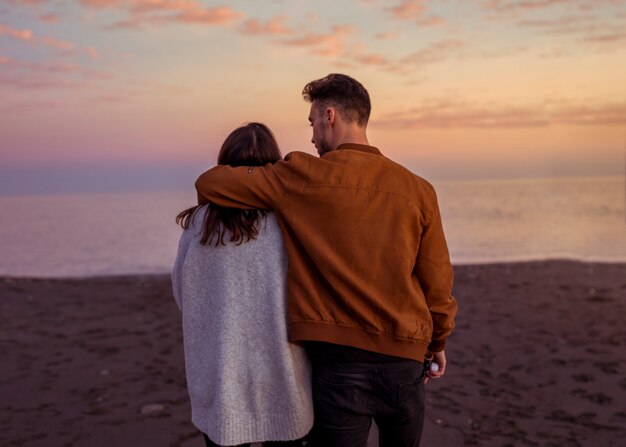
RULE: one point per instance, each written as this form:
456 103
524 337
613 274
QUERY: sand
538 358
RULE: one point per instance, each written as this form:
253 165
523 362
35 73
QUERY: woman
246 382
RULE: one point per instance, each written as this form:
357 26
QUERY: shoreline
156 275
538 357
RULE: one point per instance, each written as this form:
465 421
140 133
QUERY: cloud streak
20 34
408 9
28 36
449 114
159 12
522 5
273 27
332 44
25 74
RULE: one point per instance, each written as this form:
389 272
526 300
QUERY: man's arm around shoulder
246 186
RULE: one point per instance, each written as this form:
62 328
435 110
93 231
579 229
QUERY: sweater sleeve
177 271
245 186
435 275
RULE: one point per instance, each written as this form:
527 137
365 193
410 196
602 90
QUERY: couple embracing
312 289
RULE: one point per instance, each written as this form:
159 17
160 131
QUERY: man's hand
440 359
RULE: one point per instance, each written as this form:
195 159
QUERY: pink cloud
101 3
343 30
562 24
324 45
48 74
433 53
141 12
386 36
372 59
211 16
20 34
521 5
449 114
431 21
604 114
274 26
29 2
26 35
91 52
49 18
408 9
34 82
607 37
29 36
57 43
587 29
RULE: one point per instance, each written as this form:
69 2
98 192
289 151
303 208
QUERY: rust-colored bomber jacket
368 261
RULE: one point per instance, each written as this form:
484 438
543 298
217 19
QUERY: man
370 277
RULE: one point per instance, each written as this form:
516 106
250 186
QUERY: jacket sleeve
435 275
244 186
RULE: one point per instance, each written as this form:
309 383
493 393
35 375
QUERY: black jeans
348 395
298 443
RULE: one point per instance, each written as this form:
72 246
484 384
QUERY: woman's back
246 382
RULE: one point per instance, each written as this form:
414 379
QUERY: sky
105 95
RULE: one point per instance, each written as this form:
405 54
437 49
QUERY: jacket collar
359 147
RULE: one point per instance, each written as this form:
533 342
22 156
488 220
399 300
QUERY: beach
538 357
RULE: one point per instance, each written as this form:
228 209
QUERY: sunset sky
115 94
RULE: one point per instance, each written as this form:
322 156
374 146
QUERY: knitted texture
246 382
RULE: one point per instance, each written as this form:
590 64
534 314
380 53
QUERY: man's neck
357 136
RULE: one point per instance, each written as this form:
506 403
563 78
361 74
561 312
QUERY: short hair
343 92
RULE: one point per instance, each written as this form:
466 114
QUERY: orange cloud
273 26
449 114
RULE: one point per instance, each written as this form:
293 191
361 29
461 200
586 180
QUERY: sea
78 235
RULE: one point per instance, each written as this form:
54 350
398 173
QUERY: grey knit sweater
246 382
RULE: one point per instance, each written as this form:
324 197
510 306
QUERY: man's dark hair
250 145
343 92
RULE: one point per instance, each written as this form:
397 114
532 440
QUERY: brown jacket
368 260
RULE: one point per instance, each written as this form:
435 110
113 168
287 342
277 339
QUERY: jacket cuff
437 345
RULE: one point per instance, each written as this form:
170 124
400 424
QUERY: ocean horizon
487 221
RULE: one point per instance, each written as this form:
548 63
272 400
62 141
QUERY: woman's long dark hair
250 145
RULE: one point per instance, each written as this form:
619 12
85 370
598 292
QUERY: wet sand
538 358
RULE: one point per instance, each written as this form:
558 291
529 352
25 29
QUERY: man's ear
330 115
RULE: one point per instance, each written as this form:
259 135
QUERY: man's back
356 225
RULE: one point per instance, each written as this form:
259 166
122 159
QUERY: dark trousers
296 443
348 395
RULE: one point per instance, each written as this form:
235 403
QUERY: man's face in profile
316 120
